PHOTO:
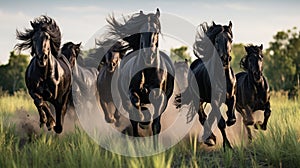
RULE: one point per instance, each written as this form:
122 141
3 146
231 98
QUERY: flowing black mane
205 38
251 50
129 28
42 23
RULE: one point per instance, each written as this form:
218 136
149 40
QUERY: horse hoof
210 142
144 125
230 122
259 125
58 129
50 124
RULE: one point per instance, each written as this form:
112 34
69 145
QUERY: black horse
215 80
110 61
146 75
71 51
253 89
48 76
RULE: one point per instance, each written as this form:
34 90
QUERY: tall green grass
20 100
279 146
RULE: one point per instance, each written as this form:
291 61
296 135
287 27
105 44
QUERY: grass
279 146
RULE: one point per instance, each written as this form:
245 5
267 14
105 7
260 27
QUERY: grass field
279 146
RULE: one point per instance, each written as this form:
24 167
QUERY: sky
254 22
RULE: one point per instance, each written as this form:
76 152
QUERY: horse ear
261 47
157 12
230 24
78 45
32 24
214 24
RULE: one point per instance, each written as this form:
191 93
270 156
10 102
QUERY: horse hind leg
267 114
231 111
202 115
222 126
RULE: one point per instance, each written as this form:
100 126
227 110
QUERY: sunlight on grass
278 146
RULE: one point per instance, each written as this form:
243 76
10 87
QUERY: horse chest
144 81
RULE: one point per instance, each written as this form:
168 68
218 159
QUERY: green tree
180 54
238 52
12 75
283 60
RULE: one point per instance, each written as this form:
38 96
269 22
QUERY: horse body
253 90
48 76
111 62
145 76
215 81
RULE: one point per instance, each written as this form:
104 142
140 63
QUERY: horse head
222 43
149 35
114 55
254 62
71 52
44 39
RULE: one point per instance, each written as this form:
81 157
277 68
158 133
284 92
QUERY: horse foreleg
208 135
107 113
50 120
38 102
267 114
134 125
156 128
61 109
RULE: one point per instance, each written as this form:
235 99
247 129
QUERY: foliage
238 52
283 60
180 54
12 75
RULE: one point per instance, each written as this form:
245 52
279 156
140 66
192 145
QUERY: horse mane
43 23
205 38
65 50
129 28
250 49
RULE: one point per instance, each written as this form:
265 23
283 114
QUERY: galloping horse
111 61
253 89
48 75
215 80
146 75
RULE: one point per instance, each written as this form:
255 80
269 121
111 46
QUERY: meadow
22 146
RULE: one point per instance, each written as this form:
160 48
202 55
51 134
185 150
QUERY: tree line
281 63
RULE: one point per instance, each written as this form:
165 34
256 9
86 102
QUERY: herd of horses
131 65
